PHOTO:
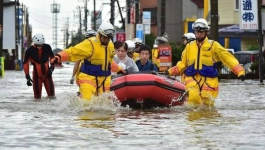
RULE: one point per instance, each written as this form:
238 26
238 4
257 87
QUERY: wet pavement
236 122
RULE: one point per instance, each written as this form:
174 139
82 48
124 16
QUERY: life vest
205 58
98 64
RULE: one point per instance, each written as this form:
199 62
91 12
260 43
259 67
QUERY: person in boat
77 66
121 49
198 63
97 53
39 54
155 56
135 54
144 64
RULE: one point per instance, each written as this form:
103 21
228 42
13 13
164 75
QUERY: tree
176 52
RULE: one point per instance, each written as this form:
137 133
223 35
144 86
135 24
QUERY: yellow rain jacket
78 72
155 57
198 63
94 77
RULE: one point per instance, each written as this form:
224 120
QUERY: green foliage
75 40
253 47
176 52
150 39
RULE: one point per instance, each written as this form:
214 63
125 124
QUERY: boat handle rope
178 99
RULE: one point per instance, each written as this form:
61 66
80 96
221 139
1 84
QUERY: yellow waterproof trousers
202 90
91 85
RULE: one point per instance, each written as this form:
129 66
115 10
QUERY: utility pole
67 32
80 24
95 17
122 19
28 29
137 15
86 11
112 11
128 16
2 71
260 42
21 32
163 18
17 28
55 9
214 20
1 26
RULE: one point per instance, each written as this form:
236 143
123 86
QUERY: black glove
166 72
72 80
51 69
29 80
242 77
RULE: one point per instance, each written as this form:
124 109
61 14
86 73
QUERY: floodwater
236 122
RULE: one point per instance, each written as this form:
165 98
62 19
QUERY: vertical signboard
132 15
248 14
165 56
121 37
139 31
147 22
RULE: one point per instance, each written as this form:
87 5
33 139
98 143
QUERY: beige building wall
228 12
246 42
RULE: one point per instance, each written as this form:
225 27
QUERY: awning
235 32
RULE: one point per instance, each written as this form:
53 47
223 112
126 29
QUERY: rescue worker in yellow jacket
187 38
155 56
97 53
198 62
78 64
136 54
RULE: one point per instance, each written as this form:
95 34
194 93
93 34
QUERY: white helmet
38 39
130 44
189 36
137 41
200 25
106 29
155 46
90 33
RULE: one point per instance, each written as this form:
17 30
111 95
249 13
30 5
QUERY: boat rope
179 99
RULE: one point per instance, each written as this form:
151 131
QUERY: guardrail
250 63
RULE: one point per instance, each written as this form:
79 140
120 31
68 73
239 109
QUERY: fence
250 63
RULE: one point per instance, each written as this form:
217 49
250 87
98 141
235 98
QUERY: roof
235 32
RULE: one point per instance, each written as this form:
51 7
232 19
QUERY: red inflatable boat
146 90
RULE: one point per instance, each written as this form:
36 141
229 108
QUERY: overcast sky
40 16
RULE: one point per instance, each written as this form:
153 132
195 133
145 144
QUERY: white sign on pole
147 29
147 22
248 14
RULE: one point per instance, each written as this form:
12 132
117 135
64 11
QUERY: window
153 15
236 5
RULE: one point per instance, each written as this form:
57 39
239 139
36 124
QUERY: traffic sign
147 22
139 31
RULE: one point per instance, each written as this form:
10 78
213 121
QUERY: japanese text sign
248 14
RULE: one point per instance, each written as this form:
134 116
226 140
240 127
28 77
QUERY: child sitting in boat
144 64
